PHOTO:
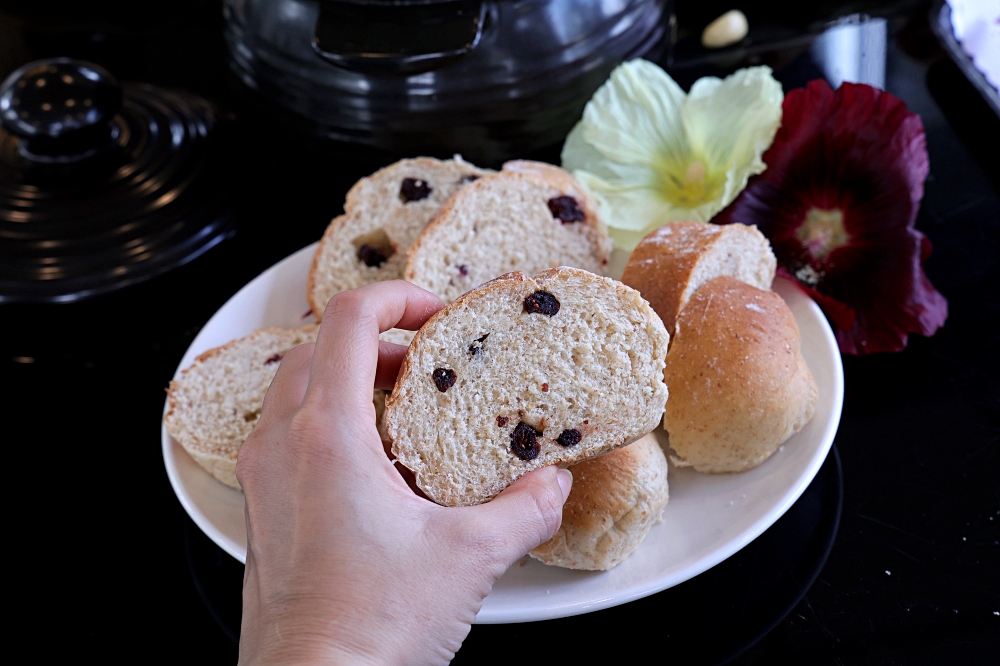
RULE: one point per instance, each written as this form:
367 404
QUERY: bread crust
663 266
607 430
616 499
739 386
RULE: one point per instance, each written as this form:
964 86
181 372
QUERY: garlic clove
726 30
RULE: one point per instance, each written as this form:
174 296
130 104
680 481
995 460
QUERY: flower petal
636 116
634 148
732 122
859 156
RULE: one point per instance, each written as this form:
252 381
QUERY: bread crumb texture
739 385
594 366
616 499
215 404
383 215
508 222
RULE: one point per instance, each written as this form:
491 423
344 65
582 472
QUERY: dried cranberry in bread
215 404
739 387
383 215
672 262
529 217
615 500
522 373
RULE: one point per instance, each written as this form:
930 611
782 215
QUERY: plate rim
512 614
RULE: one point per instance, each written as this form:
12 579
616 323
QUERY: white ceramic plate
708 518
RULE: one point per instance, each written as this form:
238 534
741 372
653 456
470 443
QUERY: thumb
527 513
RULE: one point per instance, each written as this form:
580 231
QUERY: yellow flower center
822 232
690 185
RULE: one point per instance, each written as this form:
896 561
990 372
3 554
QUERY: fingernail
565 479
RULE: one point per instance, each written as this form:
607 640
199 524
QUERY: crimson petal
859 157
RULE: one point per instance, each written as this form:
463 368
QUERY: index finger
344 361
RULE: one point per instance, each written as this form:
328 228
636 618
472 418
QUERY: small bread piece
529 217
672 262
215 404
615 500
523 373
739 387
383 215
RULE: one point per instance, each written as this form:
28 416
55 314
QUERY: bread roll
615 500
739 387
523 373
529 217
672 262
383 215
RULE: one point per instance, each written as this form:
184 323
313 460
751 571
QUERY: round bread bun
615 500
528 217
672 262
739 387
383 215
523 373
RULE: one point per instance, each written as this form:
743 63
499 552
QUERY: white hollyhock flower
651 154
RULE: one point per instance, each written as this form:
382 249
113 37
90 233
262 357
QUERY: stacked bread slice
529 217
383 215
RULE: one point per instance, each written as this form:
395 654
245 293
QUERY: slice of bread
529 217
215 404
672 262
523 373
383 215
615 500
739 387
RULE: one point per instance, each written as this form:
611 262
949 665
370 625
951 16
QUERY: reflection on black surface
711 618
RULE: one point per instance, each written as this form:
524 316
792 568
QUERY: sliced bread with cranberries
215 404
616 499
672 262
383 215
522 373
529 217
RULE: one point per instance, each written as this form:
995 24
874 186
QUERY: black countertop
892 556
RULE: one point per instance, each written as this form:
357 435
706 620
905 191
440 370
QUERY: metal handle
396 37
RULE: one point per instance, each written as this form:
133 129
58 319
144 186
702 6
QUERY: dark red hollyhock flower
838 202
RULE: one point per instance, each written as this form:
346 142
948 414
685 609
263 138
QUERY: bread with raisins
529 217
522 373
739 386
616 499
383 215
214 405
672 262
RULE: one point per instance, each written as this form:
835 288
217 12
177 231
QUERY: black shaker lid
102 185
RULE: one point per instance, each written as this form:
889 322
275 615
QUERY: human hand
345 564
